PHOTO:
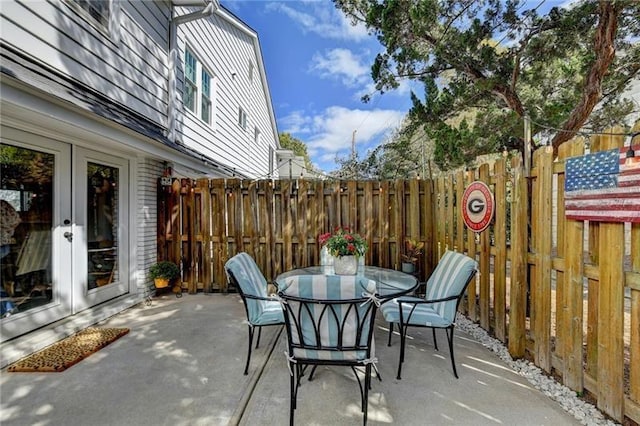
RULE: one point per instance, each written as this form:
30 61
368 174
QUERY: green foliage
164 269
493 61
298 147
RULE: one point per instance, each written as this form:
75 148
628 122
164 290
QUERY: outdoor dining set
329 318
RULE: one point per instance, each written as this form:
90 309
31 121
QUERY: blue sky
318 67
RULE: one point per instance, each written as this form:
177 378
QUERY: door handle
68 236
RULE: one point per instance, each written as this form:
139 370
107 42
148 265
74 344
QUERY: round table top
390 283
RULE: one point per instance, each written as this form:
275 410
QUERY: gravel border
583 411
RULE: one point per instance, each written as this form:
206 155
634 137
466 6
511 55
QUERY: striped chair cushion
318 320
448 279
252 282
423 315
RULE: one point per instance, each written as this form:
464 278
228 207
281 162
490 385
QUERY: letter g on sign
477 206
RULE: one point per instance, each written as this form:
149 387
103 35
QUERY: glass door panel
35 221
101 228
26 207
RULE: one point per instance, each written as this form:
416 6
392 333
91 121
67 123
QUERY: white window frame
242 118
257 136
104 23
200 89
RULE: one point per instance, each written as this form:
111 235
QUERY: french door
101 228
64 225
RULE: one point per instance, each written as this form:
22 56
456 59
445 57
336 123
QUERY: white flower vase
325 258
345 265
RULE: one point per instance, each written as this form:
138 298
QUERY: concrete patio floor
182 364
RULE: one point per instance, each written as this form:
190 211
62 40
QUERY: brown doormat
62 355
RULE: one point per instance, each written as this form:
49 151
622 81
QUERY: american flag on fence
604 186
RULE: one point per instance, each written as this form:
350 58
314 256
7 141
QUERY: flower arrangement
343 242
413 249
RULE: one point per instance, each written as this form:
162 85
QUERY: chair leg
293 389
435 340
390 333
403 333
246 367
367 386
450 339
259 334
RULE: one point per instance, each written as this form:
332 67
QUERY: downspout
172 109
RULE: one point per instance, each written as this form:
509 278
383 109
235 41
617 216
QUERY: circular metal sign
477 206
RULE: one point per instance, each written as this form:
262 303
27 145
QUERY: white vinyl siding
230 50
127 63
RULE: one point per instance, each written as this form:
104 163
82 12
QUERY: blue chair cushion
423 315
447 280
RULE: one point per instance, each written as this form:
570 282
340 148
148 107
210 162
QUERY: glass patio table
389 282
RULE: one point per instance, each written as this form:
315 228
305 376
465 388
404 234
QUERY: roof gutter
209 7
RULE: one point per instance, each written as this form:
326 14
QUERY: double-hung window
198 88
242 118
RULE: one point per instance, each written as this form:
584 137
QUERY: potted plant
163 273
413 249
345 247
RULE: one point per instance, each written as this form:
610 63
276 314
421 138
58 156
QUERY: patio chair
437 309
261 309
329 321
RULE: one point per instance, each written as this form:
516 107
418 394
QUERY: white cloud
322 18
296 122
343 65
329 133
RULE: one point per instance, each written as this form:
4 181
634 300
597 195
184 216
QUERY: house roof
27 70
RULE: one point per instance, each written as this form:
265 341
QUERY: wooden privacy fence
563 293
204 223
560 292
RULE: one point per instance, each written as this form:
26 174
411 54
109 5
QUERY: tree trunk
592 93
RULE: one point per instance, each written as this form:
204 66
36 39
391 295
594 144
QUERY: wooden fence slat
543 157
518 284
572 318
485 264
500 258
634 351
205 235
611 313
472 289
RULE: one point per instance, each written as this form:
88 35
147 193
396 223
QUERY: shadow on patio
182 364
